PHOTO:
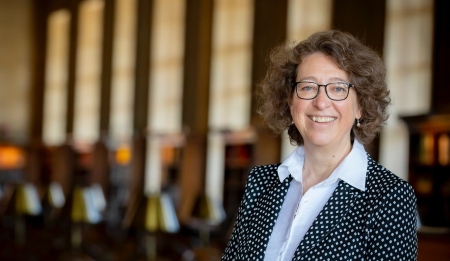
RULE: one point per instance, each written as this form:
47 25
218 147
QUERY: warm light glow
167 155
123 155
443 144
427 149
424 186
11 157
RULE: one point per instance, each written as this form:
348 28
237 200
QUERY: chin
319 141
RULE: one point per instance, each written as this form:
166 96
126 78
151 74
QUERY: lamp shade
208 210
27 200
152 213
160 214
84 209
55 195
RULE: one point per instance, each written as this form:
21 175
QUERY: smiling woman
329 198
363 67
319 119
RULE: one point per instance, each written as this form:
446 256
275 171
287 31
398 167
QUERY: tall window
230 85
408 57
166 82
88 72
166 69
56 73
231 64
16 30
122 86
307 17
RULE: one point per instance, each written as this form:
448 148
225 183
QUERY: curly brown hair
363 66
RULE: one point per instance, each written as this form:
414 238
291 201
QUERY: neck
320 161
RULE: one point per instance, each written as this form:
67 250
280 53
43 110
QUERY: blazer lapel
264 217
332 213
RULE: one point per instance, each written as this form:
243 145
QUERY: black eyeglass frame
349 85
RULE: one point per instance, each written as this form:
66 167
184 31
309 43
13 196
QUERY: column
195 101
269 30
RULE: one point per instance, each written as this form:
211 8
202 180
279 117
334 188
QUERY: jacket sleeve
237 236
394 232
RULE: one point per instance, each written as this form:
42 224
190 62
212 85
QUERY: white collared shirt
299 212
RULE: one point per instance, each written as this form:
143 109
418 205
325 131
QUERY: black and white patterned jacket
376 224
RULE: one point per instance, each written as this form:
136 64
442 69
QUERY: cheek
292 108
352 110
295 111
297 107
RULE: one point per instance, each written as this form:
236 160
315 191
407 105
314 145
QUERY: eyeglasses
336 91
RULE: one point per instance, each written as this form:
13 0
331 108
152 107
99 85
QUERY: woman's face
322 121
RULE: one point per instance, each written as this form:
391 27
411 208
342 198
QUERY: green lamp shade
27 200
152 213
84 209
208 210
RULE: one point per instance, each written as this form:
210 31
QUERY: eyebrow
332 79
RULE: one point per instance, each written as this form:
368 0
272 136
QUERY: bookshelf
429 167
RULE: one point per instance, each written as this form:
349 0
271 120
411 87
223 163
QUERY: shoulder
381 182
263 173
260 177
391 215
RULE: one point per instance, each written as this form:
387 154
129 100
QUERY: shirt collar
293 165
352 169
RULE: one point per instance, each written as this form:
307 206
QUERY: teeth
322 119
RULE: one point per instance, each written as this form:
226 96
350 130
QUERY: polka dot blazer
376 224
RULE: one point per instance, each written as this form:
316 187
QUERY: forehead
319 66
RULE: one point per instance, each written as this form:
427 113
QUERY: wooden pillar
35 158
39 53
269 31
141 94
108 36
73 7
363 19
63 165
441 56
195 101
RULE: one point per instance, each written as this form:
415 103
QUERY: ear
358 114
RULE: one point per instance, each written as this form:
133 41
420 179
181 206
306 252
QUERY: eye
307 87
339 88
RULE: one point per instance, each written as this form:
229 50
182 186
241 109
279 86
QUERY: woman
328 200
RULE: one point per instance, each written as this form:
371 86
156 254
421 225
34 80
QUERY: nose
322 100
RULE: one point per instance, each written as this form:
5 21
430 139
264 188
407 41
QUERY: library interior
128 127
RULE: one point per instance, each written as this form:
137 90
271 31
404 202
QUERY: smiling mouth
322 119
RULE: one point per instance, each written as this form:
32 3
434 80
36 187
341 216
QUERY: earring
357 123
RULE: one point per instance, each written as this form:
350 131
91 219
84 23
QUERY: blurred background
128 127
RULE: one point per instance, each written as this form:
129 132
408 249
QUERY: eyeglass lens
334 91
